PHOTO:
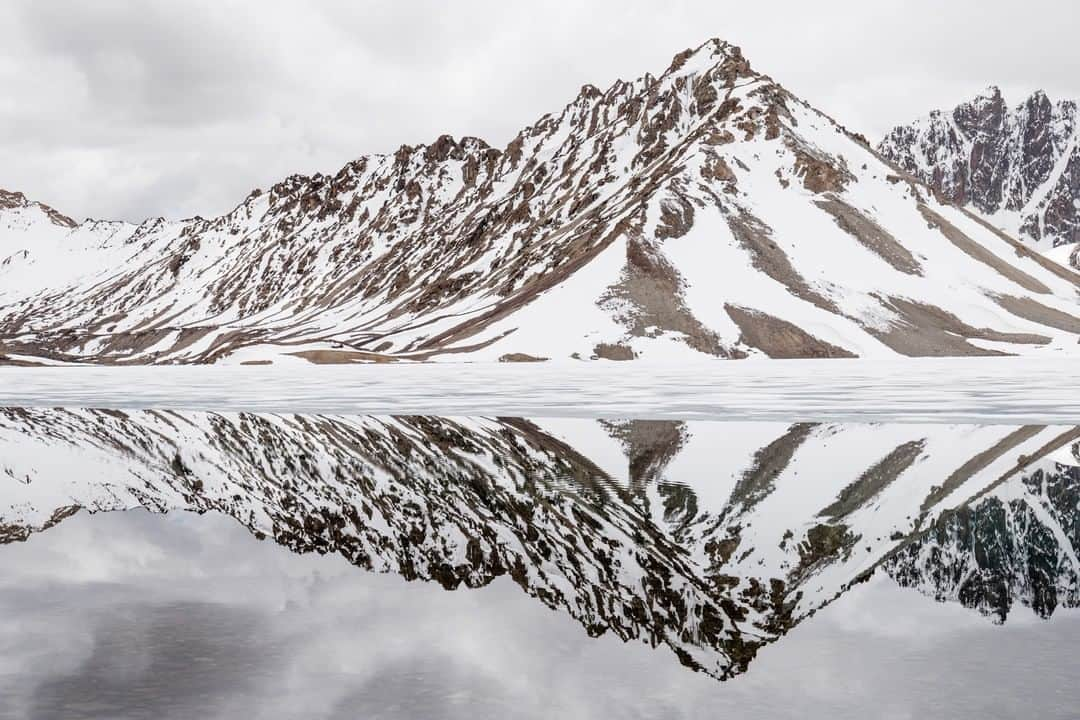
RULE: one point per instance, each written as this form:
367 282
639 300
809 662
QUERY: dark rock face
1000 551
1023 162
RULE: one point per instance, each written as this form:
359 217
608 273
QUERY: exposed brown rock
649 300
521 357
980 253
342 357
780 339
189 336
716 169
769 258
676 218
13 362
12 200
132 343
613 351
1026 252
820 174
929 331
1038 313
874 237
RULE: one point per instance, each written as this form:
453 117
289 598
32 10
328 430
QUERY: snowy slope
1019 166
1067 255
712 539
703 212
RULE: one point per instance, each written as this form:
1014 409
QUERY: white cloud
118 110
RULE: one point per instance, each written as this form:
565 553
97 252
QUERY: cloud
118 110
178 660
187 615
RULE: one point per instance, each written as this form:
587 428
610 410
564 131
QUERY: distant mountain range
612 523
1019 167
704 212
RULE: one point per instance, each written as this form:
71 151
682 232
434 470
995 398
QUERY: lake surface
980 390
164 563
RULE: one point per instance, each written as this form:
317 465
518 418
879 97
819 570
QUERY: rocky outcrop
1019 165
1007 549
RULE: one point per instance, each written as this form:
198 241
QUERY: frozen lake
1005 390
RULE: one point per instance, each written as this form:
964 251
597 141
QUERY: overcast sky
114 109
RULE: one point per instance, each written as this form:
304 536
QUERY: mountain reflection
712 539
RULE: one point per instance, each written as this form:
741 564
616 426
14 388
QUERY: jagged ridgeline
703 212
612 523
1019 166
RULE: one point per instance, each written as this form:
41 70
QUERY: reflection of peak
1068 456
1014 546
649 445
710 540
458 502
990 96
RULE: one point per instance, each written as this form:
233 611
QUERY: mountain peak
1017 164
709 54
16 201
1039 103
9 199
679 216
988 107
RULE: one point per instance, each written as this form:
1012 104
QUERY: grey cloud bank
121 110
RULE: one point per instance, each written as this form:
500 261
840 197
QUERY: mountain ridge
661 213
1018 165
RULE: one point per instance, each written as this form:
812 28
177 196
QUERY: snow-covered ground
1065 254
983 390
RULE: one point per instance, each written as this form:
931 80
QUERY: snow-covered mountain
616 524
1018 166
705 211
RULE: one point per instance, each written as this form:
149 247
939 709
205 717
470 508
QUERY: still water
179 564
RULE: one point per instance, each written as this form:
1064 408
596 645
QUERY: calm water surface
178 564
